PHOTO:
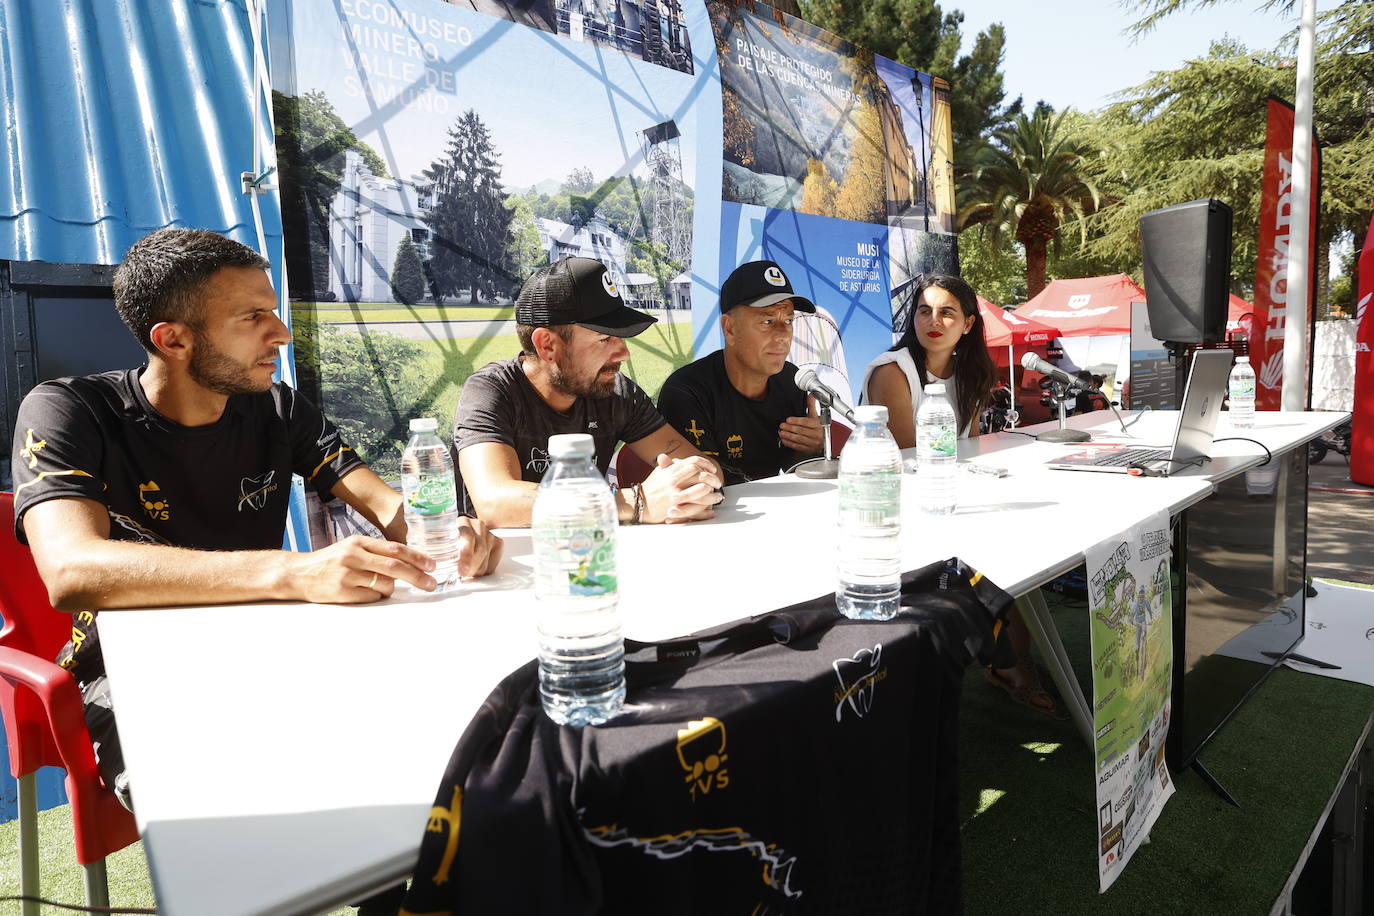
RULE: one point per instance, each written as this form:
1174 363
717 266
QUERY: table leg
1036 614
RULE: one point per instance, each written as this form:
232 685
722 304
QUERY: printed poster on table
1132 650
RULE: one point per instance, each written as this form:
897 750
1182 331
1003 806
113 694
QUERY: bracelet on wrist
639 504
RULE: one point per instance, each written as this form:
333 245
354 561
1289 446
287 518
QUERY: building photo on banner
427 191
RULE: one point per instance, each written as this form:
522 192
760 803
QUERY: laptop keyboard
1132 456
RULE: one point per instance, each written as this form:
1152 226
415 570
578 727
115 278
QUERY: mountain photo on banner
801 120
433 156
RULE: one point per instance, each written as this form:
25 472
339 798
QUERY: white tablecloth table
284 757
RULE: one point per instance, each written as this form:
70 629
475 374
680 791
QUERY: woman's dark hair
974 372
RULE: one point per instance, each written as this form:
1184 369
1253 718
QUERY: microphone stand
824 467
1063 434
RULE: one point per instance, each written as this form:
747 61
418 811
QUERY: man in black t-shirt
740 404
572 326
167 485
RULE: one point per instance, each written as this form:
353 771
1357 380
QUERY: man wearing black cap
572 326
740 404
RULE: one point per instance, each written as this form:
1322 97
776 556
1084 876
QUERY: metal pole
1300 229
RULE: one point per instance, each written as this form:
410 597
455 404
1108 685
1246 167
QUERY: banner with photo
1131 612
432 155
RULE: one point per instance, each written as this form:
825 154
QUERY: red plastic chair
630 469
41 707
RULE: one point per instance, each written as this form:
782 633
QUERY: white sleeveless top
913 380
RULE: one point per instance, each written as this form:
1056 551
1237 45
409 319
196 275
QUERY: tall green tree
1199 131
908 31
311 142
525 253
469 220
1025 184
407 273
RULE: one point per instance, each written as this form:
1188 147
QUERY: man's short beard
594 388
211 369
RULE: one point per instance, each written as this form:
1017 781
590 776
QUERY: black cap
578 291
759 284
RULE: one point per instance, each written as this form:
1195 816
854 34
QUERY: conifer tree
407 273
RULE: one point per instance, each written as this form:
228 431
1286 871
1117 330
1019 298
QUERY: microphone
825 395
1035 363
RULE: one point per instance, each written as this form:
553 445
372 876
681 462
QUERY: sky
1074 53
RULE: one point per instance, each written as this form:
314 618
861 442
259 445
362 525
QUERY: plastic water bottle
870 555
937 452
1241 389
581 650
431 501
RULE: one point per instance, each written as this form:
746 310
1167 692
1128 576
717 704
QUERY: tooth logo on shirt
858 678
253 491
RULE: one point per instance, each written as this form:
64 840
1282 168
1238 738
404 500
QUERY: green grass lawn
450 361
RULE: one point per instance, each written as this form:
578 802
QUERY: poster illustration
434 154
1132 650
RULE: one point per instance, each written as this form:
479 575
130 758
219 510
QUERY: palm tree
1024 184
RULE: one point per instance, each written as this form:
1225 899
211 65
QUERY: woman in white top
943 342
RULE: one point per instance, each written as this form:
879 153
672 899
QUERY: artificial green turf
1029 810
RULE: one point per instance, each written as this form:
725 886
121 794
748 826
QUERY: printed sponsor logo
858 678
702 754
734 446
253 491
777 864
695 432
1080 301
31 449
446 819
153 502
608 284
539 460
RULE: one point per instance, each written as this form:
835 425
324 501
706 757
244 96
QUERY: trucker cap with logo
578 291
759 284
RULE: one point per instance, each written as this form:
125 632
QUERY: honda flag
1271 267
1362 422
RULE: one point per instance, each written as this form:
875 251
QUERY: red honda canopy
1010 329
1091 307
1237 313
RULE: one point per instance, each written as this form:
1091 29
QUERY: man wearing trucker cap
740 405
572 325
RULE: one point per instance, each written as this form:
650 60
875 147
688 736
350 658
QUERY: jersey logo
153 502
441 819
31 449
858 677
701 752
593 424
138 531
695 432
734 446
777 862
774 276
254 490
539 460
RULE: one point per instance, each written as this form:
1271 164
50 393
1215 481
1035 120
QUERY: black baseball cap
578 291
759 284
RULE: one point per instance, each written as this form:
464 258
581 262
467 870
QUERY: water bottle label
870 501
576 561
937 441
434 495
1243 388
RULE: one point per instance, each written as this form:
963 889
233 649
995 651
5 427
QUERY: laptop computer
1197 423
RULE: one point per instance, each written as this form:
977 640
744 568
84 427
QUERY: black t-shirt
795 762
219 487
740 433
498 404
